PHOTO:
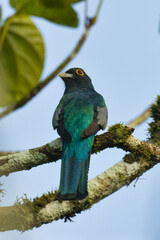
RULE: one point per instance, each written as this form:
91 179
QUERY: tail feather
74 177
82 185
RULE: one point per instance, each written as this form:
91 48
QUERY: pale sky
122 57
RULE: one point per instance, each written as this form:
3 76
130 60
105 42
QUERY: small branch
118 136
140 119
98 10
43 83
46 209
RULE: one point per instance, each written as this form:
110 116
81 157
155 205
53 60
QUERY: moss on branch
154 126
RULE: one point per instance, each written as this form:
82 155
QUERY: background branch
140 119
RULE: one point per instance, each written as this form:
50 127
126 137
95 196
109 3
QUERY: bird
80 114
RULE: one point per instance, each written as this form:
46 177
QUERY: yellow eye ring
80 72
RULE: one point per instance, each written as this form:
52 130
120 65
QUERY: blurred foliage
22 47
21 58
60 12
55 3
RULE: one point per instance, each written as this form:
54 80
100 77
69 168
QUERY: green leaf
57 3
21 58
57 11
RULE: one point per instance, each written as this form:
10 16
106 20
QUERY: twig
140 119
43 83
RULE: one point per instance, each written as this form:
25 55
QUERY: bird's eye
80 72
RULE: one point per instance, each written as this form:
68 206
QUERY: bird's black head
76 78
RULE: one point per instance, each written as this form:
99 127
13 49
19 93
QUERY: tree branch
46 209
43 83
118 136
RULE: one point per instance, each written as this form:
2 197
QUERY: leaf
60 12
55 3
21 58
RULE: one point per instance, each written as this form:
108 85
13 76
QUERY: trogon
80 114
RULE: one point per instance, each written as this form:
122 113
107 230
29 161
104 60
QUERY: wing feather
99 121
57 117
57 122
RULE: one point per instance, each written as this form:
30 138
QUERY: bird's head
76 78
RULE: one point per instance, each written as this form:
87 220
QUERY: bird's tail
74 176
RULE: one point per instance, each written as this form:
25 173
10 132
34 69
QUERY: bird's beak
66 75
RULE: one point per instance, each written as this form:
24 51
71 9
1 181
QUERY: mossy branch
118 136
154 126
30 214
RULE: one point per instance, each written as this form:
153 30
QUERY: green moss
89 203
78 207
40 202
24 207
96 146
121 133
27 206
142 151
37 203
115 127
121 177
22 200
154 126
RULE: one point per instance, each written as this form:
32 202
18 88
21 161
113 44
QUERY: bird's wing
57 116
102 116
57 122
99 121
